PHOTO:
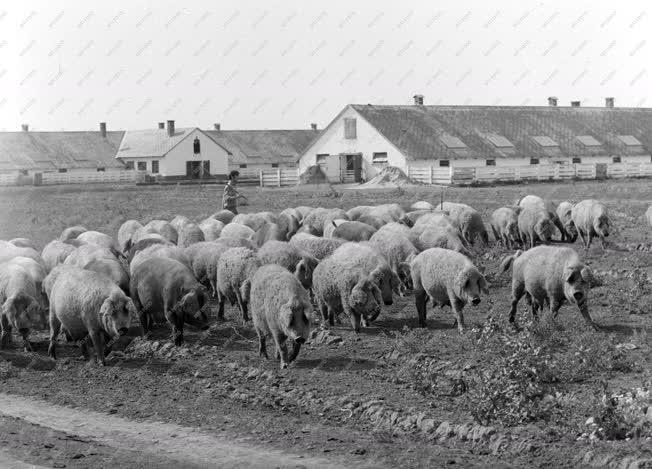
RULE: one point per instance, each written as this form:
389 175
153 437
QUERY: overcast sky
284 64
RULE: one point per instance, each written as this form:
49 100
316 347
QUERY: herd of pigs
279 268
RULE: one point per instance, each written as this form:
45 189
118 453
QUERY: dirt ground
394 396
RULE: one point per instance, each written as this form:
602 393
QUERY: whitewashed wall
368 142
174 163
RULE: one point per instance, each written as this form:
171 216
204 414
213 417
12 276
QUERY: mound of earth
390 176
313 175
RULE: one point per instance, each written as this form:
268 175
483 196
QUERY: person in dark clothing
231 195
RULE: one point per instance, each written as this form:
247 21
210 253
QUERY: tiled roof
52 150
416 130
264 146
150 142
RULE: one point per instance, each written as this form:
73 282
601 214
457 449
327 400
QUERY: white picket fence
543 172
89 177
279 177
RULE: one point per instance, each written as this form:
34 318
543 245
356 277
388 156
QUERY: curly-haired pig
89 306
166 289
447 278
552 275
280 307
591 218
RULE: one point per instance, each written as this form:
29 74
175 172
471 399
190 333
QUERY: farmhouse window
63 170
154 166
616 159
379 158
274 165
101 170
242 166
444 163
129 165
349 128
142 166
207 168
490 162
196 146
577 160
534 160
321 158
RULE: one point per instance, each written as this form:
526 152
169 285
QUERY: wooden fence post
260 174
430 178
298 176
278 175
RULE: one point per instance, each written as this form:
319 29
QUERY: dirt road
169 443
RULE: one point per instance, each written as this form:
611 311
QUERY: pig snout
300 340
475 301
578 295
123 330
24 330
388 302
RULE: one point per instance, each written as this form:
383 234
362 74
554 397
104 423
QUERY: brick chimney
552 101
216 126
170 128
25 127
103 129
609 102
575 104
418 99
161 125
313 126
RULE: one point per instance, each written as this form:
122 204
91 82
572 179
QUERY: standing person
231 195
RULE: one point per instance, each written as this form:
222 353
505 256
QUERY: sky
68 65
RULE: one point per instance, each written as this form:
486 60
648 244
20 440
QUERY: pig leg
421 300
243 307
580 232
457 306
589 235
55 329
262 347
221 300
98 343
518 289
323 310
5 336
296 347
281 348
534 305
83 345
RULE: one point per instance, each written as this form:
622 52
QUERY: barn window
616 159
534 160
242 166
154 166
577 160
379 158
142 166
444 163
274 165
490 162
101 170
321 158
349 128
63 170
196 146
129 165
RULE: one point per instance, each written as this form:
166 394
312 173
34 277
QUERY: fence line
279 177
87 177
543 172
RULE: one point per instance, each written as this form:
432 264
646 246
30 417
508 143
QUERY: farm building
27 152
362 139
173 152
256 150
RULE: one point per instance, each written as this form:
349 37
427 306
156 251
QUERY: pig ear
300 269
106 309
131 308
245 290
377 274
570 275
461 283
587 276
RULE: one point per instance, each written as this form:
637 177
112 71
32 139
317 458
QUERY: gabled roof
52 150
264 146
151 142
416 130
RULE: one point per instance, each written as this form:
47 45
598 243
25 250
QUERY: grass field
396 395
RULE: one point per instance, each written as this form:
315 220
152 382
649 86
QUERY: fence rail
88 178
279 177
543 172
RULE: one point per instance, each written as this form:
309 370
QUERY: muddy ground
395 395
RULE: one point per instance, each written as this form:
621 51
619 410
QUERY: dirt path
175 442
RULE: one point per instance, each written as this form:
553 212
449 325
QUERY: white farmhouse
187 153
362 139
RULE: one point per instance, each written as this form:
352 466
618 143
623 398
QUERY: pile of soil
391 176
313 175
